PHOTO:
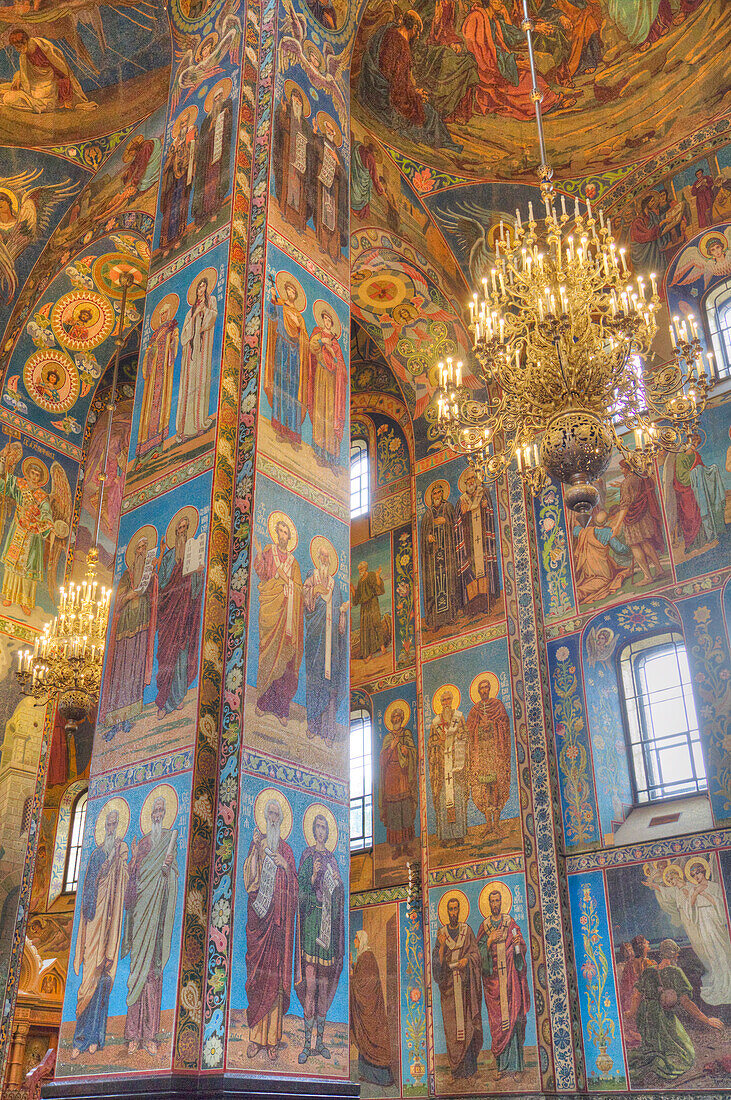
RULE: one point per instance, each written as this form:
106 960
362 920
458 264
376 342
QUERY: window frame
75 845
364 841
721 348
359 446
642 748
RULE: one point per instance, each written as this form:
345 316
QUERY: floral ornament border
553 539
597 973
578 801
714 841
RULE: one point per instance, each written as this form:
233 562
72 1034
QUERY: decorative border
170 481
141 773
378 896
280 771
486 868
653 849
322 500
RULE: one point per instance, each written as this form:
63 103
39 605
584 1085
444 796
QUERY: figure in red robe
178 623
505 984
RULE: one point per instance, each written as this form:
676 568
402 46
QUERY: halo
289 87
192 514
493 232
212 37
447 488
706 239
669 871
188 117
314 56
400 704
226 84
505 895
32 461
99 326
437 697
701 433
317 310
210 275
171 300
462 480
35 373
280 281
464 906
149 532
705 863
321 118
480 678
272 522
310 814
122 808
162 790
12 199
267 795
317 545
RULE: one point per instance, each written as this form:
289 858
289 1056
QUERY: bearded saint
369 1029
99 936
489 729
178 624
505 982
148 929
442 589
398 783
280 625
476 547
158 368
270 880
448 770
44 81
456 970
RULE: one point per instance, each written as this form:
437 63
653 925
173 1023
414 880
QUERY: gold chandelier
561 329
68 656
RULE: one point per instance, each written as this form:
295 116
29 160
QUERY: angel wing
10 456
38 205
692 269
62 506
296 24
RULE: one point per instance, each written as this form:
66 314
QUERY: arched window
361 779
76 839
662 727
359 495
717 307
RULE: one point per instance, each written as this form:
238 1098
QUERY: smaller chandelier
68 655
561 330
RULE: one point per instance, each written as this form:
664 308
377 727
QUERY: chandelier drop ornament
66 662
561 330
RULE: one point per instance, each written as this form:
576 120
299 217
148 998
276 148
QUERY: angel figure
475 227
601 643
39 526
207 60
709 260
324 69
25 217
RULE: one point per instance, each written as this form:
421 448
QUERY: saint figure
213 160
44 81
369 1027
158 366
505 982
365 596
148 929
489 728
327 386
703 191
479 575
456 970
99 936
326 647
448 751
178 622
596 548
270 880
639 521
30 528
330 212
177 181
285 371
398 783
442 589
280 623
292 157
194 387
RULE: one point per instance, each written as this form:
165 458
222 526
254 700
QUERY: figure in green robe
365 595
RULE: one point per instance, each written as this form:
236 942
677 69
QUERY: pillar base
201 1087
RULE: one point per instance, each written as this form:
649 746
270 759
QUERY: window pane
361 780
76 839
359 501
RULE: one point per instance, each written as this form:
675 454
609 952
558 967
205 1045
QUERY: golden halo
99 325
188 511
464 906
35 463
291 86
397 704
162 790
479 679
210 275
707 238
436 702
226 84
307 825
274 519
149 532
12 199
321 118
317 545
171 300
280 281
672 870
705 863
493 232
462 481
382 291
446 487
505 894
267 795
122 808
321 307
212 37
314 56
188 117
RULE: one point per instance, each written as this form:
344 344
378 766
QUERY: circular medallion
82 320
112 270
52 380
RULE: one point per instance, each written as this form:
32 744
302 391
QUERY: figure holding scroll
504 977
270 880
456 970
448 765
180 579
